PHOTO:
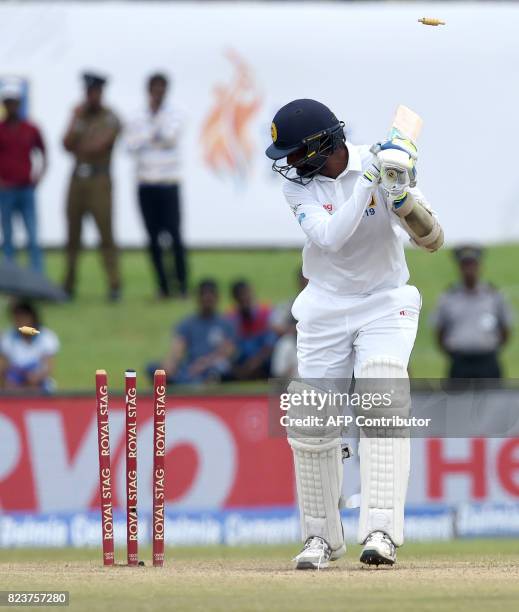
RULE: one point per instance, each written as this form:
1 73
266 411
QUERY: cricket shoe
317 554
378 550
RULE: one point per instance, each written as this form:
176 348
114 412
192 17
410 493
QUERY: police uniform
471 323
90 190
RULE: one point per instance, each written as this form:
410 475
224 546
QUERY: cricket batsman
357 315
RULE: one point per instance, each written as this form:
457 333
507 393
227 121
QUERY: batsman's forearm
332 232
420 221
421 225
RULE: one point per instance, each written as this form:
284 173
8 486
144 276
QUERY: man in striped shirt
153 137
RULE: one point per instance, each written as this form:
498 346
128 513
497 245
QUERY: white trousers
337 334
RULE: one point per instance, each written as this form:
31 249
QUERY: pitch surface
473 575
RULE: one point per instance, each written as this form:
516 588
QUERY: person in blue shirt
27 362
255 337
203 344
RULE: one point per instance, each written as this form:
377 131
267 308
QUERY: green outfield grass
458 576
95 334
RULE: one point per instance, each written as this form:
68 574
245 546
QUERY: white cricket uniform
356 315
357 304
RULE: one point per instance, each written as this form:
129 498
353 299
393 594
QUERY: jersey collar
354 164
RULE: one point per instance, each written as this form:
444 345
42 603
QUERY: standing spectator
255 337
154 140
19 140
26 362
472 321
203 343
90 138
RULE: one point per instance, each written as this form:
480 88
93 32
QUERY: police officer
472 321
90 138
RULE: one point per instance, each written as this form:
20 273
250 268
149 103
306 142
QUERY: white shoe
378 550
316 554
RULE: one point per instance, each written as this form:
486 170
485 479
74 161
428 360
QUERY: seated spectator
203 343
254 336
472 321
284 357
27 362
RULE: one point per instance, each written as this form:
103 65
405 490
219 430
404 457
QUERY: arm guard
420 223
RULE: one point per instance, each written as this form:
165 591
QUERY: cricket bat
406 124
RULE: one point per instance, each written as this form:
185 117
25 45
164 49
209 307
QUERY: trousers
337 334
20 201
91 196
160 208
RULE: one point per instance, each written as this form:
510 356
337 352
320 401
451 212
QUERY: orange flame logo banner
227 146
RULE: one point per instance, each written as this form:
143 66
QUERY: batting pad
384 454
318 468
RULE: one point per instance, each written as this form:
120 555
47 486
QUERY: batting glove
372 174
397 158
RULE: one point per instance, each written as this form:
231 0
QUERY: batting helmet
305 125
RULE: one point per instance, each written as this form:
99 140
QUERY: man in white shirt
153 138
357 316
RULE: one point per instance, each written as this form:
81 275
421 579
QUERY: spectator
255 337
472 321
154 140
27 362
19 141
281 319
284 357
90 138
203 344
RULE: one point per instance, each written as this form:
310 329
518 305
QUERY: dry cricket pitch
475 575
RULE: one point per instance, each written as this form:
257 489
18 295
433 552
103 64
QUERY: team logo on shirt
328 208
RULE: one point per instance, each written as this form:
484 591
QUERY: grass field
95 334
459 576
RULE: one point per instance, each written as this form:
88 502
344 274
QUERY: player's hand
397 158
396 144
395 181
372 174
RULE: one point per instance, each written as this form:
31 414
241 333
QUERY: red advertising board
220 454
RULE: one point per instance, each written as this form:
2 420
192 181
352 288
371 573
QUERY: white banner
235 64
